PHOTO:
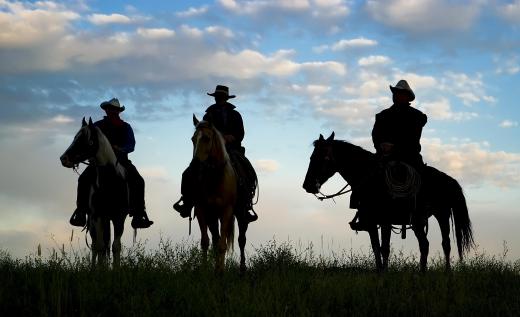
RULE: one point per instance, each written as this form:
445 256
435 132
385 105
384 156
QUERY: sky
299 68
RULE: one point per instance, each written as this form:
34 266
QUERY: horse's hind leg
386 233
116 244
424 245
444 223
242 228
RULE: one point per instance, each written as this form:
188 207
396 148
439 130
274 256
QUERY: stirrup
141 222
358 226
78 218
183 210
251 217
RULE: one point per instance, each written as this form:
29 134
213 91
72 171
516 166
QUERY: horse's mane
106 153
221 142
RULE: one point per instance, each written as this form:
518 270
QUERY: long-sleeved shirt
120 135
227 121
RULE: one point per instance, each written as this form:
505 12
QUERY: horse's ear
321 138
83 122
331 137
90 121
195 120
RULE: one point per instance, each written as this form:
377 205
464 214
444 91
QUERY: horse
107 194
443 198
216 193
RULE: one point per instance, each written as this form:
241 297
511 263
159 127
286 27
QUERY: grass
281 281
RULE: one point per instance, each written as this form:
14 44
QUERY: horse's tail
230 238
459 211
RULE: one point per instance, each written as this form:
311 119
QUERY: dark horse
216 193
108 194
443 198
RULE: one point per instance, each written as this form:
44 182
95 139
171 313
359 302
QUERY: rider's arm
129 145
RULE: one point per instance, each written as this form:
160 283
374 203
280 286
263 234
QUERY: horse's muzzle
65 161
311 188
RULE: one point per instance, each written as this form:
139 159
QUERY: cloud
353 43
473 163
267 165
468 89
426 16
510 12
374 60
317 14
508 124
191 12
23 24
114 18
155 33
441 110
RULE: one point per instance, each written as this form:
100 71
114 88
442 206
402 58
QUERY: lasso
407 188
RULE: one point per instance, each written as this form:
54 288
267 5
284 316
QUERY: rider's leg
79 217
136 189
187 191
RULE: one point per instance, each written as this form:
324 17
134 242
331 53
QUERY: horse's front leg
424 245
204 238
99 249
119 224
386 233
226 236
374 240
215 235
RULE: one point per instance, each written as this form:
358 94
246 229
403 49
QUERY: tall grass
281 280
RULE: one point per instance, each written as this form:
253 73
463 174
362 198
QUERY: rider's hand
229 138
386 148
117 148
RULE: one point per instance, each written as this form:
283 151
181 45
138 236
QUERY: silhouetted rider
397 130
228 122
396 136
121 137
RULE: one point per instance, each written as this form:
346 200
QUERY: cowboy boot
79 217
140 220
185 209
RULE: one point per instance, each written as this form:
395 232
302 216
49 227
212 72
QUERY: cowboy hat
112 103
221 90
403 86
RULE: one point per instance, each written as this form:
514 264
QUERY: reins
342 191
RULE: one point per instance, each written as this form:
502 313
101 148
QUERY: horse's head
208 144
322 165
83 147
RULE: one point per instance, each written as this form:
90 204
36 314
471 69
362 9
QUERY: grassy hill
281 281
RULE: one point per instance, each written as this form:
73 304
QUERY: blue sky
298 67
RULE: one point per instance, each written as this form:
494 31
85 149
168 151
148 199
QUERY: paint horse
108 193
443 198
215 187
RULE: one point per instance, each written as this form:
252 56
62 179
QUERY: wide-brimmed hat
221 90
112 103
403 86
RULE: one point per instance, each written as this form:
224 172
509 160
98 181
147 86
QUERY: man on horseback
121 137
396 136
228 122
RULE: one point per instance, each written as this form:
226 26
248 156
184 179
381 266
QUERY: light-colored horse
215 190
105 203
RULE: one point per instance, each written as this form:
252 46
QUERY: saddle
111 190
246 177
